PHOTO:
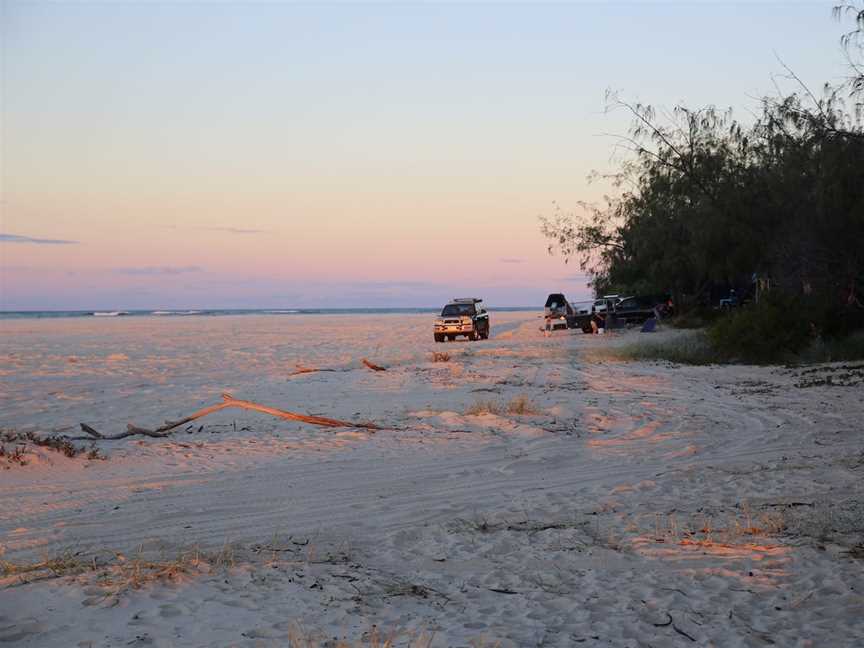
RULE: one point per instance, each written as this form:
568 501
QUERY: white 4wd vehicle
465 316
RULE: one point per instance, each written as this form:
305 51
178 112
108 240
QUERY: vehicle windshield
455 310
555 300
638 302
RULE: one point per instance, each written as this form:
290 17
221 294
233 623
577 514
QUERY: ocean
210 312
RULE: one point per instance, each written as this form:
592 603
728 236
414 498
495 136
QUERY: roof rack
466 300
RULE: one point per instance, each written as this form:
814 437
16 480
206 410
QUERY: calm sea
219 311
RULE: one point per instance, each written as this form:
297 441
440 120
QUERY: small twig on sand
373 366
304 370
680 631
502 590
668 622
228 401
671 622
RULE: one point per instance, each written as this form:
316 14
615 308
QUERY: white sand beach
528 491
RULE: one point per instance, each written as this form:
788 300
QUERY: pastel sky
271 154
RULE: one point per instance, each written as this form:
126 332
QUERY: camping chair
650 325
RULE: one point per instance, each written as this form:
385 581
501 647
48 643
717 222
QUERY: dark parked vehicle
635 310
609 311
584 313
606 303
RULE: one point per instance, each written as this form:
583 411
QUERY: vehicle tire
485 334
451 337
439 337
473 337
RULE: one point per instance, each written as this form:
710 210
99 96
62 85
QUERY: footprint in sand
140 618
20 631
159 595
474 625
169 611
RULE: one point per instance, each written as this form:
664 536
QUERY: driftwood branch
302 369
373 366
227 402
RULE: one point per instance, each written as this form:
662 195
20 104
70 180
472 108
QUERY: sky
194 154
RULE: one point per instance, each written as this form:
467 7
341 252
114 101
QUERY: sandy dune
630 504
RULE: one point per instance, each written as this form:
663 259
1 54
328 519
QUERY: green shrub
774 330
842 349
694 318
779 329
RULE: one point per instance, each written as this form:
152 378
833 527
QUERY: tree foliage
853 43
706 201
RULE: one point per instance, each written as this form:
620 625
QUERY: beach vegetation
522 405
116 573
21 444
483 406
519 405
300 637
63 564
769 210
691 348
732 341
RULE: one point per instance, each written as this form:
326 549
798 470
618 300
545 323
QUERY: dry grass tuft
118 574
763 524
24 443
483 406
706 531
299 637
521 405
482 643
14 456
66 564
134 574
440 356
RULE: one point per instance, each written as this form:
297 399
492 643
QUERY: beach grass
22 444
300 637
118 573
689 348
519 406
697 348
483 406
